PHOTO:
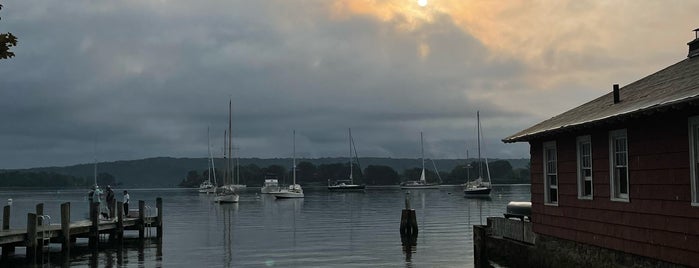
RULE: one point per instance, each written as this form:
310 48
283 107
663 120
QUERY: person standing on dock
110 202
126 203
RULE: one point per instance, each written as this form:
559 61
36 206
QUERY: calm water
324 229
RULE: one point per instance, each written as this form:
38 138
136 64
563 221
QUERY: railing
512 229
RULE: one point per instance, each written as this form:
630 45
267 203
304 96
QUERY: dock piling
6 218
6 249
120 220
408 219
39 213
141 218
159 220
94 228
31 242
65 226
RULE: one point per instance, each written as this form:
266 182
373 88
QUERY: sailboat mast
350 155
95 148
230 140
422 153
225 159
478 126
211 159
294 157
468 177
208 150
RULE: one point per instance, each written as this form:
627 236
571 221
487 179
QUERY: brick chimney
694 45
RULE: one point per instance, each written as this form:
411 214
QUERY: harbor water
324 229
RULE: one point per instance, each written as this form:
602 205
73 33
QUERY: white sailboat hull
477 191
227 198
294 191
420 186
287 194
270 189
207 190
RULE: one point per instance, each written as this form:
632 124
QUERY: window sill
551 204
695 204
617 199
585 197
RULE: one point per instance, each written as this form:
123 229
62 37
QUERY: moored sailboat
479 186
294 190
422 182
207 186
226 193
347 185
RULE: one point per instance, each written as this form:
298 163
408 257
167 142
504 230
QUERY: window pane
623 183
588 188
587 172
553 195
552 180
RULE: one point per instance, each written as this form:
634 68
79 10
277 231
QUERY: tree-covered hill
169 172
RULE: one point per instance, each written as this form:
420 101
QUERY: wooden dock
37 234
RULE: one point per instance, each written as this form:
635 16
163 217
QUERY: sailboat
422 183
479 187
346 185
209 187
294 190
226 193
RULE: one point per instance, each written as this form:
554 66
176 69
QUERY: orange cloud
555 39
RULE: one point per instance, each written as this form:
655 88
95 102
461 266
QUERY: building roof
676 84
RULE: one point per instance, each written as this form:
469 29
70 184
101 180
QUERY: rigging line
356 157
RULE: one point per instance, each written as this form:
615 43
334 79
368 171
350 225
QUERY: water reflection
322 230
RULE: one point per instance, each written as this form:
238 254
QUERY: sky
132 79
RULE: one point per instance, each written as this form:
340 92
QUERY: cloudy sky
139 78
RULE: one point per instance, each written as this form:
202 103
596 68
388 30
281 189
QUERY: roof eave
651 108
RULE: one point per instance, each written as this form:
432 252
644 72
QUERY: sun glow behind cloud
562 44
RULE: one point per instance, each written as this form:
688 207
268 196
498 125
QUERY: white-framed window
550 173
618 165
694 158
584 152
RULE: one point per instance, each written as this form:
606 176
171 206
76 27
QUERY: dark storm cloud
142 79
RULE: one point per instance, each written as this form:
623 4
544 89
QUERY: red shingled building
621 172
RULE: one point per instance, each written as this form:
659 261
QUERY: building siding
658 221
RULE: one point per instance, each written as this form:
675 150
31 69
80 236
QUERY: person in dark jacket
110 201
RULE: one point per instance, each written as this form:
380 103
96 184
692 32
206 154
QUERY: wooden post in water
31 242
141 218
120 220
39 213
6 249
159 220
65 226
480 254
408 224
94 228
40 221
6 218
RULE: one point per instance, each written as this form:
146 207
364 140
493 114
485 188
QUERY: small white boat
270 186
294 190
422 183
